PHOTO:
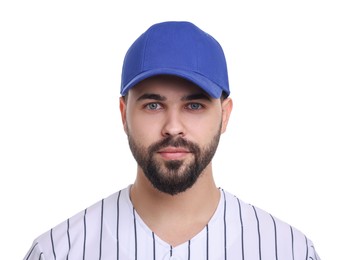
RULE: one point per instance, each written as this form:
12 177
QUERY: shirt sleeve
34 253
312 254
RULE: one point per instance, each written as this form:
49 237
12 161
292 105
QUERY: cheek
205 128
142 129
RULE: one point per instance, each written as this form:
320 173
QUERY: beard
173 176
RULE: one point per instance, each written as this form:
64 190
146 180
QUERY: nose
173 125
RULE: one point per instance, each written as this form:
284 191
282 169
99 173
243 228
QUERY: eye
194 106
153 106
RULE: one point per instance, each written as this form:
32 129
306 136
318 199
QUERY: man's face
173 129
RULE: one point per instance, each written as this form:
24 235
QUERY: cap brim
204 83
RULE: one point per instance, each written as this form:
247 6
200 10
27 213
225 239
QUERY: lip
173 153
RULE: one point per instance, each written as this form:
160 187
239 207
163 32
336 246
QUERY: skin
164 106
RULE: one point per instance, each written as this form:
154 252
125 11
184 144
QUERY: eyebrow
196 97
152 96
185 98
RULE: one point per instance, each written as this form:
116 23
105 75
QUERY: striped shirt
112 229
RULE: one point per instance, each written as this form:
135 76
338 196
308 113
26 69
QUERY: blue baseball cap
177 48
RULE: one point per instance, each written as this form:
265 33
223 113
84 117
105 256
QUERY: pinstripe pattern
101 228
189 250
153 236
237 231
117 236
306 248
258 231
53 249
31 250
207 242
241 225
292 237
135 234
225 225
68 237
275 232
84 233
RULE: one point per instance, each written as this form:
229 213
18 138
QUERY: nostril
173 133
173 125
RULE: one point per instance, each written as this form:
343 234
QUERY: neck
176 218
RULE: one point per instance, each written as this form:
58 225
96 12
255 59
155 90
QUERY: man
174 108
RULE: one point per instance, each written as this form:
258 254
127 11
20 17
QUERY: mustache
174 142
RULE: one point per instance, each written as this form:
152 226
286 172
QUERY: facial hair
173 176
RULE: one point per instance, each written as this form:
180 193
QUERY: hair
224 96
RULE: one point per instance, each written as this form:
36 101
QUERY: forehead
166 85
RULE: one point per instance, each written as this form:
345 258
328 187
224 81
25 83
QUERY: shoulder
250 213
260 229
84 227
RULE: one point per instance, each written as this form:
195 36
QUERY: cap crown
177 48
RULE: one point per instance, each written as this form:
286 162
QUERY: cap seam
145 49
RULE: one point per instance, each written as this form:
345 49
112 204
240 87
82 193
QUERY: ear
227 106
123 108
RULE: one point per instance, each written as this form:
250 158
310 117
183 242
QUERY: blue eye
153 106
194 106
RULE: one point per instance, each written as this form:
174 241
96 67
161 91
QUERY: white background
62 147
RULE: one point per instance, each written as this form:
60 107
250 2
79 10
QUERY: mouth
173 153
